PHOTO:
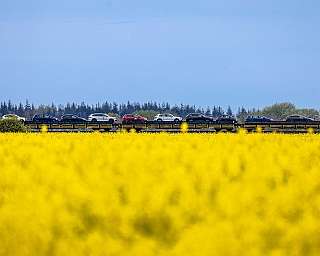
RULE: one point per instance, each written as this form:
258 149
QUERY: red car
130 118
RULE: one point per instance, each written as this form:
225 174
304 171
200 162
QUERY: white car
101 117
13 116
167 118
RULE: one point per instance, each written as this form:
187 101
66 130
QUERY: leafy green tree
279 110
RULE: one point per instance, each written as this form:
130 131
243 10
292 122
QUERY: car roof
296 116
257 117
43 116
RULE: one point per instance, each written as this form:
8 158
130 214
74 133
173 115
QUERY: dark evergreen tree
229 111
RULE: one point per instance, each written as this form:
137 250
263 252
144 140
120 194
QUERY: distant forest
150 109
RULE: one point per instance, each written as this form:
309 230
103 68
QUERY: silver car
167 118
101 117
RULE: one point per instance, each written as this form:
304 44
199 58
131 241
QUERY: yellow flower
159 194
184 127
44 128
310 130
259 129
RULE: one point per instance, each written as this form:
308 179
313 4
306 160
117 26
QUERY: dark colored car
258 119
198 117
299 119
130 118
46 119
225 119
69 118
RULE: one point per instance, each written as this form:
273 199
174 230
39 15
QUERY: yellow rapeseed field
159 194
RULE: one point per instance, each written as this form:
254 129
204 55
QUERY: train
223 124
194 122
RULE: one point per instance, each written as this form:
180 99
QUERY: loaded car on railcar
13 117
44 119
299 119
72 119
101 117
198 117
131 118
226 119
258 119
167 118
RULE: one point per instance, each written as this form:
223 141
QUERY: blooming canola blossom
159 194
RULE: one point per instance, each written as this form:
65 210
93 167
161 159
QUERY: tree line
278 111
83 110
150 109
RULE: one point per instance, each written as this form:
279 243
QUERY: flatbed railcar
148 126
281 126
154 126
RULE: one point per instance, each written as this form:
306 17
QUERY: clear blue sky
205 52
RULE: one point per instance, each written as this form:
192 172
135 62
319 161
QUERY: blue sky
204 52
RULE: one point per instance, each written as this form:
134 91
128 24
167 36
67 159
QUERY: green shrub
12 125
